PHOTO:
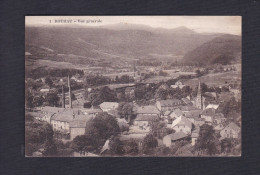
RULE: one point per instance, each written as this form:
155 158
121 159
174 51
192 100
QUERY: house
219 127
169 105
218 118
178 84
187 101
176 113
148 111
199 121
211 95
49 111
170 139
114 113
76 79
190 109
61 121
78 125
107 106
182 124
143 121
208 115
214 106
230 131
91 111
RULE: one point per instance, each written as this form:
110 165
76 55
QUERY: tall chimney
70 101
134 69
63 97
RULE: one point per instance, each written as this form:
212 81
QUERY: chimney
63 98
134 70
70 101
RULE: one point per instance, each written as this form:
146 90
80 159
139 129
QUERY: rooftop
208 112
233 126
171 102
50 109
182 121
147 110
177 112
177 135
219 115
193 114
109 105
146 118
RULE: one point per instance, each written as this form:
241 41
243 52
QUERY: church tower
199 98
70 101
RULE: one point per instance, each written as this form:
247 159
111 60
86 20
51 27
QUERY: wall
60 126
228 133
167 141
182 128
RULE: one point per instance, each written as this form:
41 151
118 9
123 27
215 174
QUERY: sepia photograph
133 86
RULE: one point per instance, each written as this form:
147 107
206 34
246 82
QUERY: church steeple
199 98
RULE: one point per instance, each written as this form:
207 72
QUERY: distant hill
225 49
114 41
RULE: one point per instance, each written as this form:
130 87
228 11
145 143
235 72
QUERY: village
139 118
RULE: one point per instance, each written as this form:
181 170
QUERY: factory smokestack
134 69
63 97
70 101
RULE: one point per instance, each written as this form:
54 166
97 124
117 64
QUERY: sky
208 24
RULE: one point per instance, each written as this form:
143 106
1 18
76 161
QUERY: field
216 79
32 64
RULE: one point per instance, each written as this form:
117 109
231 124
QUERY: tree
48 81
116 146
226 145
52 99
204 88
162 151
37 135
150 142
198 72
162 73
207 140
83 143
162 93
101 128
73 97
158 129
38 101
130 147
117 79
126 110
104 94
50 149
